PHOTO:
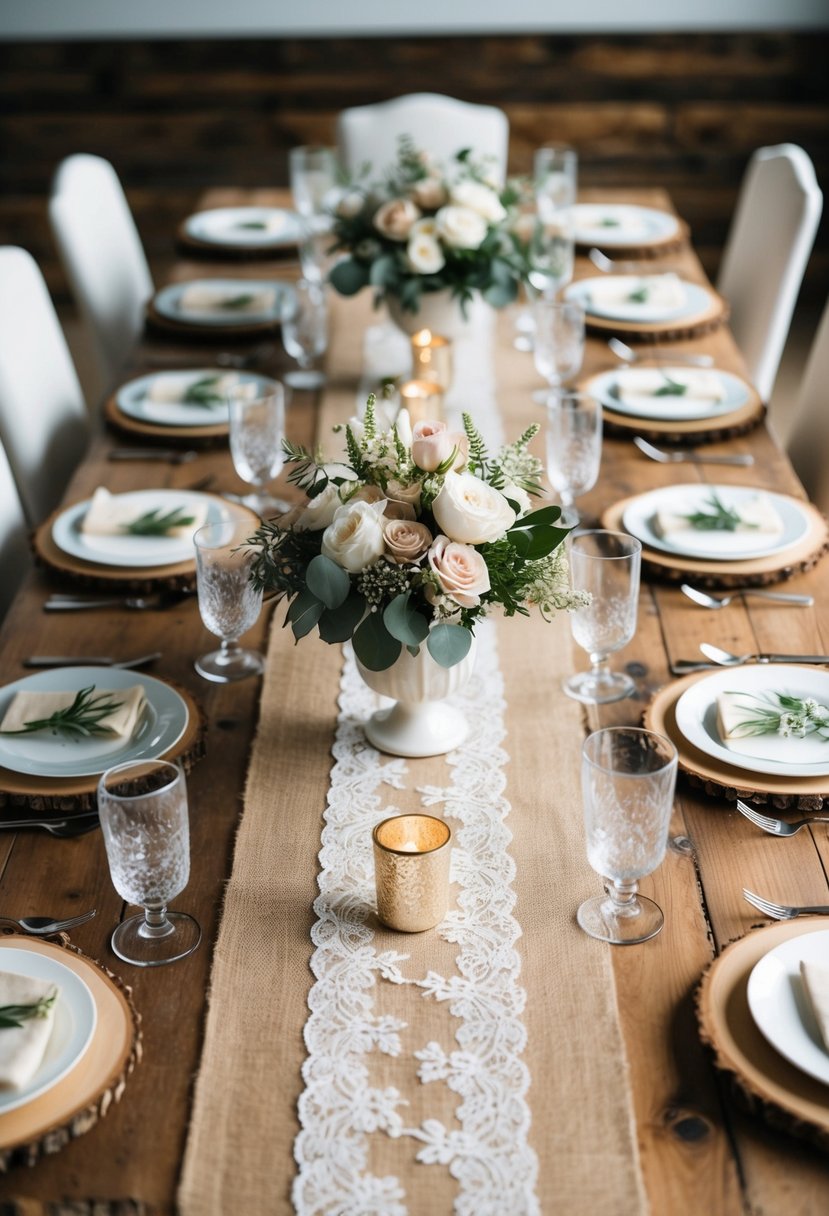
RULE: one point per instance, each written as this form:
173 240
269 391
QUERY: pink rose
431 445
461 571
367 493
400 510
406 541
395 218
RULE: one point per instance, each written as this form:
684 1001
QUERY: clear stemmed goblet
628 780
143 810
305 334
257 429
313 173
574 448
228 602
558 341
606 565
555 168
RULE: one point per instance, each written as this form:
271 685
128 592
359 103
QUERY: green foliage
373 645
404 622
327 581
448 644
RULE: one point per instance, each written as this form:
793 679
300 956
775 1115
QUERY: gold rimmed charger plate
714 776
676 330
756 571
154 430
764 1080
73 1106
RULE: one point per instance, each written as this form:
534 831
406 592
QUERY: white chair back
439 125
44 424
15 557
766 252
102 255
808 445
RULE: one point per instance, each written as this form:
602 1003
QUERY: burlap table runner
239 1155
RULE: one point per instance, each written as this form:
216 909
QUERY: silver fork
689 457
778 827
782 911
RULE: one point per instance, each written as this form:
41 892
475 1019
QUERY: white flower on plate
478 197
461 227
471 511
355 538
425 255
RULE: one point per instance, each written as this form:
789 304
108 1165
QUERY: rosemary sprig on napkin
719 519
80 719
609 222
640 294
203 392
671 388
157 522
252 225
240 301
13 1016
778 713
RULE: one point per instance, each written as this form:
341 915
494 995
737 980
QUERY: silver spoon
610 266
624 352
712 601
726 659
42 926
693 457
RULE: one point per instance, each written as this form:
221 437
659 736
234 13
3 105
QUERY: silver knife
170 455
45 660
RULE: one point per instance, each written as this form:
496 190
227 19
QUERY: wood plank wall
683 111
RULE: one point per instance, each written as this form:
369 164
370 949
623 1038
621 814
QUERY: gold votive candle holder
411 871
432 358
423 399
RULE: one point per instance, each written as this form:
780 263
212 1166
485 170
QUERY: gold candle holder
411 871
423 399
432 358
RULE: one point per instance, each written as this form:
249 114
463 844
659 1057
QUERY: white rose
470 511
478 197
395 218
319 512
460 227
355 539
350 205
425 227
425 255
429 193
517 494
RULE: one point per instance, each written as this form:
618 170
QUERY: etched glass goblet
558 344
606 565
305 334
628 781
257 429
574 448
143 810
228 602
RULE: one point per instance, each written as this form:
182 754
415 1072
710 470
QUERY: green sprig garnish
639 295
241 301
777 713
609 222
719 519
158 522
12 1017
252 225
203 392
80 720
671 388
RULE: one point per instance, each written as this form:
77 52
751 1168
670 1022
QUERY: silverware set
42 926
780 828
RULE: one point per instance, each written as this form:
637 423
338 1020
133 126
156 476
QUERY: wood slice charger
693 326
762 1079
195 436
160 323
216 250
75 1104
652 249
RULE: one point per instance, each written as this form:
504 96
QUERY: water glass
628 781
257 429
606 565
143 810
228 602
574 448
555 168
305 334
313 175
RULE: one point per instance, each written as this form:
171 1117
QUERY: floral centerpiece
413 540
424 230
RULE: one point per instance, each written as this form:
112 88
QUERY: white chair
15 557
439 125
808 445
766 252
103 257
44 424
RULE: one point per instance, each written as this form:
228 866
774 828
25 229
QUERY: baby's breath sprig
777 713
380 582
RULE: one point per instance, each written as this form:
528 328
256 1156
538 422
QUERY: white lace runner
340 1109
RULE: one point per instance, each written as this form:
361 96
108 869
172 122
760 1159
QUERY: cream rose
469 510
370 494
405 494
406 541
319 512
355 538
424 227
429 193
395 218
461 571
431 445
425 255
350 205
478 197
460 227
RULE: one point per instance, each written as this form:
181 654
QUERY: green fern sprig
478 454
370 419
355 455
526 439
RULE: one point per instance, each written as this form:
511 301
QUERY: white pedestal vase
440 312
420 723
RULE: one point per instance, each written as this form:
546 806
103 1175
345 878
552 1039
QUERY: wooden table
700 1153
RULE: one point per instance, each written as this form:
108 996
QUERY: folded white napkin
816 983
661 292
170 388
757 516
35 706
246 298
638 382
613 223
108 515
23 1047
733 712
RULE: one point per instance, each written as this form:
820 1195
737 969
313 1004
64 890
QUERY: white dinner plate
168 303
243 226
696 719
697 300
72 1028
162 723
136 551
638 519
622 224
670 409
133 399
780 1005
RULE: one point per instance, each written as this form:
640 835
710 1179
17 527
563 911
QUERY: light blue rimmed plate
42 754
72 1028
605 386
698 302
622 225
167 303
133 398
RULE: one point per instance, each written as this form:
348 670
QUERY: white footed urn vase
439 311
420 723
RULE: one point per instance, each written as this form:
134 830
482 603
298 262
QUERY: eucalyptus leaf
303 614
498 295
327 581
373 644
338 624
404 622
348 277
384 272
448 644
